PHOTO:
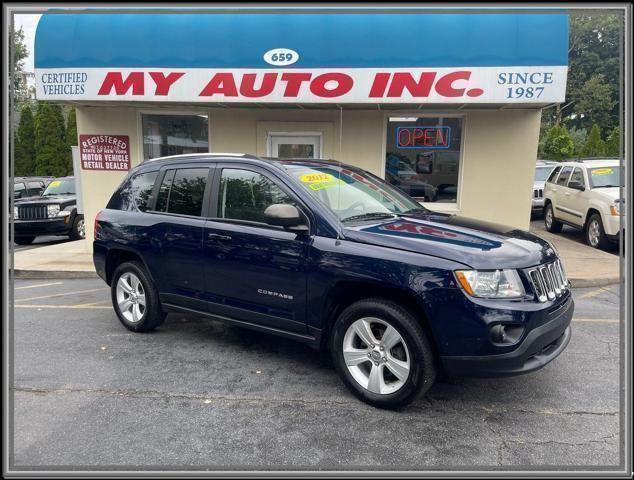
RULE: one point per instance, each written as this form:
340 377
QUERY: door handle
217 236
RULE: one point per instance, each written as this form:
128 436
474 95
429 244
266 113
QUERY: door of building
288 145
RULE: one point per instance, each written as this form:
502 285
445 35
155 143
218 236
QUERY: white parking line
39 285
60 294
596 320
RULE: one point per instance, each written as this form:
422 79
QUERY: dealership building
446 106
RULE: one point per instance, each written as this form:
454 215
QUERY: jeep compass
333 256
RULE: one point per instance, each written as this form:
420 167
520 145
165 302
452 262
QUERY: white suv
585 195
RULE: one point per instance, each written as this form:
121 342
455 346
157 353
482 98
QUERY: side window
553 174
142 186
565 174
19 190
182 191
244 195
577 176
120 199
36 188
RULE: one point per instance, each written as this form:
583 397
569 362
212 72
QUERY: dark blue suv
331 255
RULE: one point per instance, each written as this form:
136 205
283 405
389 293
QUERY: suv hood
477 244
609 193
61 199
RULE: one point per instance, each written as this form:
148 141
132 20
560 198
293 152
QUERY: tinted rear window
182 191
553 175
134 192
565 174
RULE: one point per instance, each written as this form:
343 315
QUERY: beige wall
496 173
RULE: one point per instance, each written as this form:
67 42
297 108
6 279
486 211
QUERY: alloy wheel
131 297
549 217
376 355
81 228
594 233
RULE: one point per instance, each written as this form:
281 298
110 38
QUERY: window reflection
244 195
165 135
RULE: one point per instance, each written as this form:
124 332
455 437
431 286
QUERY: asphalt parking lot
199 394
537 225
42 241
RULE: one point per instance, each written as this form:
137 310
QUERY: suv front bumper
540 346
50 226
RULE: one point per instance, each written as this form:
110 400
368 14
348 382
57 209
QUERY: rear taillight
94 231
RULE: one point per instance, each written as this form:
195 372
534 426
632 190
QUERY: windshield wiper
413 210
369 216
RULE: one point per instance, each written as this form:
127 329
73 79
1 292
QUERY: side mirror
576 186
285 215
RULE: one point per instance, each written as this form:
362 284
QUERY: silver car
542 171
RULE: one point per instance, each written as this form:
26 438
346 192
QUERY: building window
165 135
423 156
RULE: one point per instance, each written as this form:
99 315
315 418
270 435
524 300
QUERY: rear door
254 272
561 199
172 237
576 201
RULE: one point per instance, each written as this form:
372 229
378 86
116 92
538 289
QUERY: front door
286 145
254 272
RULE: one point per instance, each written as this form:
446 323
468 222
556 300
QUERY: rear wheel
135 299
550 222
382 353
24 240
595 234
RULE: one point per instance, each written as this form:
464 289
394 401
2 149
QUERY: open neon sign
423 137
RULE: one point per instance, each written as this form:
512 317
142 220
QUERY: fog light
506 334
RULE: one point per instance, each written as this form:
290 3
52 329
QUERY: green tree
594 102
579 137
71 127
20 52
595 146
51 151
558 144
613 143
24 155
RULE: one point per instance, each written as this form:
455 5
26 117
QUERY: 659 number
281 56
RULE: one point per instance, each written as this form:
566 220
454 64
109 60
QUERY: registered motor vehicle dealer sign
104 152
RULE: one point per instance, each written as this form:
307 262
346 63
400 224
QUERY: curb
52 274
594 282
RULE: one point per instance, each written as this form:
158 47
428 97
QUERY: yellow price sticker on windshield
55 183
316 178
601 171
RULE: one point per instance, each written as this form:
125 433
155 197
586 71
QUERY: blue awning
324 40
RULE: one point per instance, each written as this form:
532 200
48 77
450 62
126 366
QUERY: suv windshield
65 186
604 176
541 173
351 194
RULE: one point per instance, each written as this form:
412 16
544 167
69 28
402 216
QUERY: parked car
28 187
52 213
585 195
542 172
333 256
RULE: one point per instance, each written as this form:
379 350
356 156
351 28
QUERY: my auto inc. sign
303 58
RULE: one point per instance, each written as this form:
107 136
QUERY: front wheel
382 353
595 234
135 299
78 229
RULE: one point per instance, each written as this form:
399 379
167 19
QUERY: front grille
538 193
549 281
32 212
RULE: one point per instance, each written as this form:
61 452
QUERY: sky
28 24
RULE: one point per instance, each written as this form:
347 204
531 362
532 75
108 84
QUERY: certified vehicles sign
303 58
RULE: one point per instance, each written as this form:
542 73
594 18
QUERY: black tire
78 229
24 240
422 361
551 224
601 241
152 314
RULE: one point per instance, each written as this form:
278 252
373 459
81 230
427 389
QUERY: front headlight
491 283
63 213
52 210
15 213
